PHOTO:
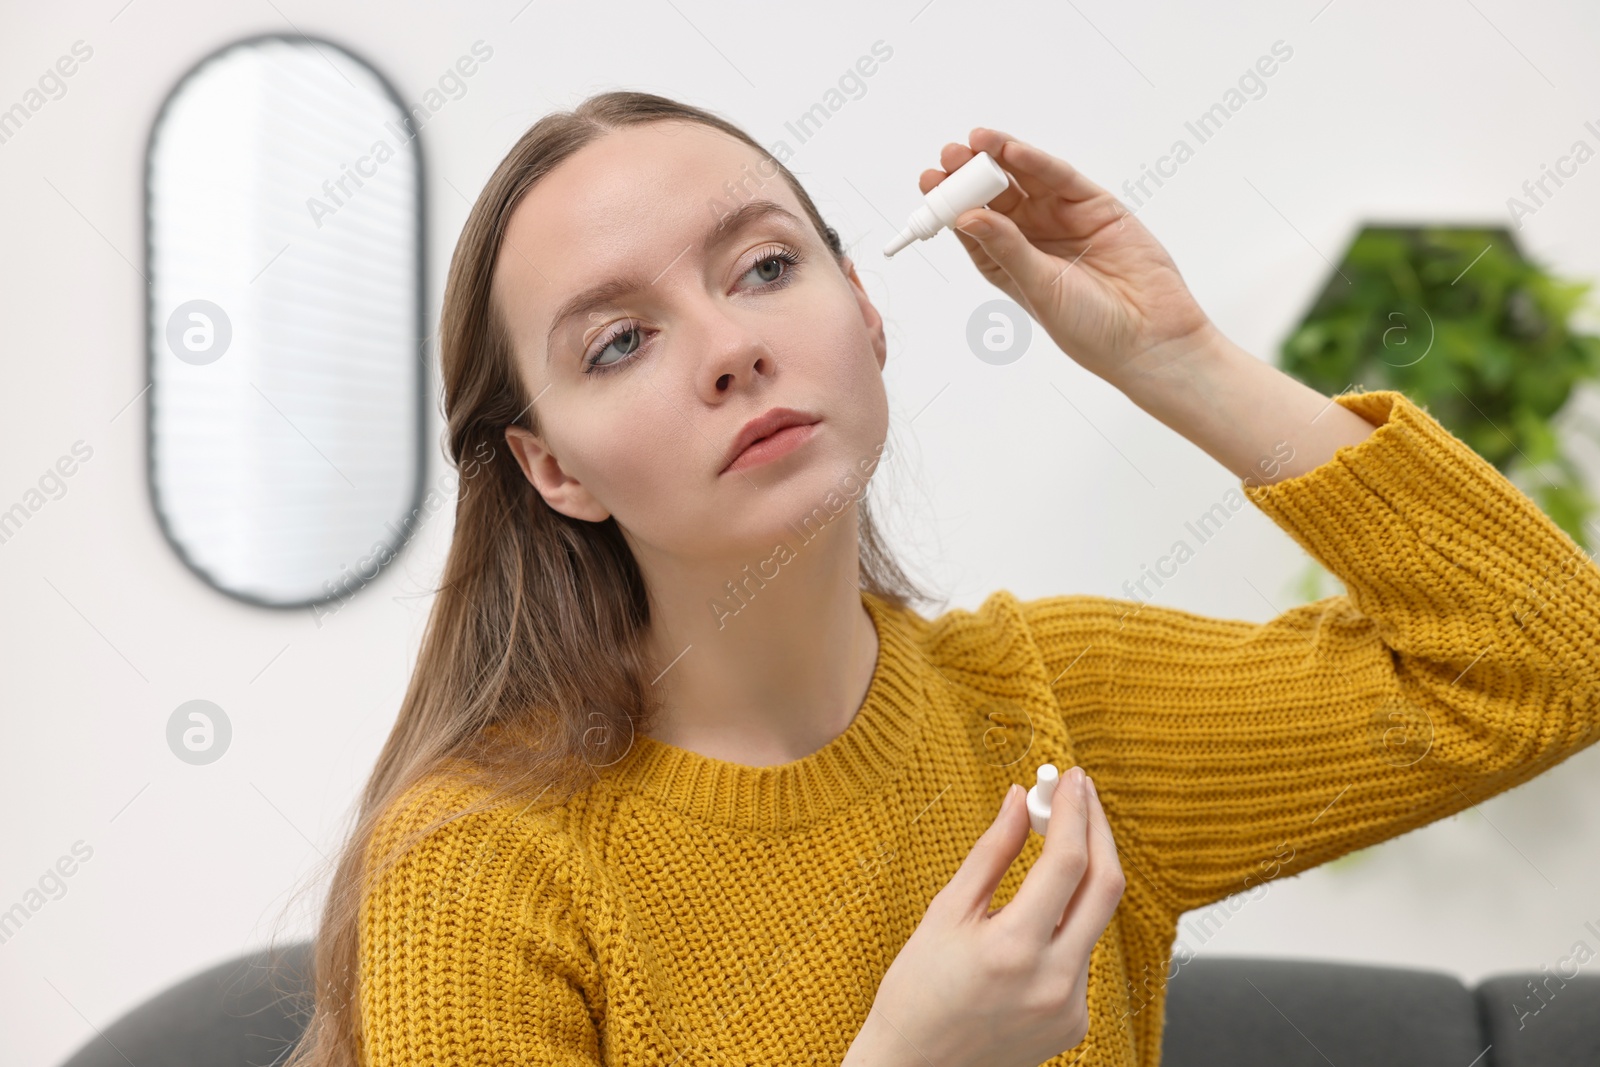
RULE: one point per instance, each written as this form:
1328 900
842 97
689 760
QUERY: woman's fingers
953 157
971 889
994 142
929 178
1092 906
1063 862
956 155
1038 172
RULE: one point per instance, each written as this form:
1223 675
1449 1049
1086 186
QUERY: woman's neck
770 676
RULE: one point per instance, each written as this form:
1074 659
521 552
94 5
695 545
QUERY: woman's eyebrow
611 289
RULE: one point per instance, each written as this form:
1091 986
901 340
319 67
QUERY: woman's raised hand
1077 261
1006 987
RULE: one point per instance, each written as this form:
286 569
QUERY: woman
680 774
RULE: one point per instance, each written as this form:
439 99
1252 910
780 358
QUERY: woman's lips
773 446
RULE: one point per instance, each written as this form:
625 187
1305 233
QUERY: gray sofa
1238 1012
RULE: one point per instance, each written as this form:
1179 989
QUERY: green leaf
1537 439
1497 366
1568 506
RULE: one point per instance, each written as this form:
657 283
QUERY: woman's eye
631 338
773 268
771 261
781 261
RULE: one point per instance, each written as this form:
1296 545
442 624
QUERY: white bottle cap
973 184
1039 797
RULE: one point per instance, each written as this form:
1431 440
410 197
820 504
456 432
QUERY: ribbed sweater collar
866 758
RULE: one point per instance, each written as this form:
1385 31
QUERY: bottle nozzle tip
904 239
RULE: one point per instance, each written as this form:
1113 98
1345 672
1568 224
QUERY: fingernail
979 228
1011 797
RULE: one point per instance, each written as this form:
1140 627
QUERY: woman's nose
731 348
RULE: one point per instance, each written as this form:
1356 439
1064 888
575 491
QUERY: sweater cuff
1411 517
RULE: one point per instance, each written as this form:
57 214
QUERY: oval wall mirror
285 334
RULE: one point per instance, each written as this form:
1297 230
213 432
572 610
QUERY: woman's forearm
1248 415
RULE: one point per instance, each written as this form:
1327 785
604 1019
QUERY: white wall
1385 112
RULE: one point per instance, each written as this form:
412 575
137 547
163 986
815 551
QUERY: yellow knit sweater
689 910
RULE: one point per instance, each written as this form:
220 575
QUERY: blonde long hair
532 670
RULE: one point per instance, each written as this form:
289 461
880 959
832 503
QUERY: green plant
1464 324
1467 326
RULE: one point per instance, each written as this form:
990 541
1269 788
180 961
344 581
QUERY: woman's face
640 395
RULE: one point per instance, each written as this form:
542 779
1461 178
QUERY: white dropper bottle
973 184
1039 797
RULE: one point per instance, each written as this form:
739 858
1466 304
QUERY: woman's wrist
880 1044
1162 376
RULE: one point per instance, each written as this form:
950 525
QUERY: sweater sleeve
1463 659
469 950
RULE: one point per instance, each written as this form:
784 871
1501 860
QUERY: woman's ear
543 471
869 314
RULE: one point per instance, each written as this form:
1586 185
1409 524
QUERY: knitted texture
685 909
